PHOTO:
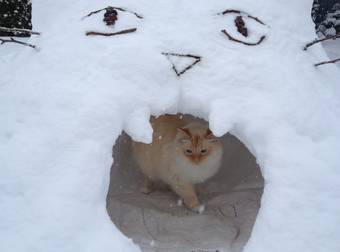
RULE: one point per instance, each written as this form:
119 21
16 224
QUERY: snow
332 48
63 107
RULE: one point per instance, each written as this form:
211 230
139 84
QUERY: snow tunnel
160 222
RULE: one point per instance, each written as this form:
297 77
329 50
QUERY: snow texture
332 48
63 107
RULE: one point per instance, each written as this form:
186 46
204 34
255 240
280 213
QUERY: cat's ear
184 135
210 136
184 132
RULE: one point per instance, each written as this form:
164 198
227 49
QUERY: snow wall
63 107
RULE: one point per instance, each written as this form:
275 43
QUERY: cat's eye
203 151
188 151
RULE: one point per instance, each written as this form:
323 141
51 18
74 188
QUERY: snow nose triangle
181 62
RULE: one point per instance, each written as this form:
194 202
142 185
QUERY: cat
182 153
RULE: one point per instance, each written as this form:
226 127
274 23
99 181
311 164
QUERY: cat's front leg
187 192
148 186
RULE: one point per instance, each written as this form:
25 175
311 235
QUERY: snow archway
156 222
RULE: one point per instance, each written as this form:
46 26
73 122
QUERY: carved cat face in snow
197 40
181 62
119 21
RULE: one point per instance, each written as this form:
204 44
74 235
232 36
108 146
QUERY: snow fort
80 91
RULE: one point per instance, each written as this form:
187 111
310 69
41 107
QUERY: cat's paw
199 209
146 190
148 186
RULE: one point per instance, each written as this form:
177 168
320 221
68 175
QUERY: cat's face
196 143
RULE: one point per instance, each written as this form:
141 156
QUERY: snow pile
62 108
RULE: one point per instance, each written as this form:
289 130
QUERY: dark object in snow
110 16
241 28
320 40
16 14
115 8
107 34
179 73
326 16
12 40
327 62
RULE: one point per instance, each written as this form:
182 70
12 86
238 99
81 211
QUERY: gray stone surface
157 223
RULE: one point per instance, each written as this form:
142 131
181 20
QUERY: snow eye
188 151
111 17
203 151
238 30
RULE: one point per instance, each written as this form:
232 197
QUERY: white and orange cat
182 154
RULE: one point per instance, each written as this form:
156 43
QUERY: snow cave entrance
156 222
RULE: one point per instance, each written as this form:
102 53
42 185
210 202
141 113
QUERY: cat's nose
180 63
196 159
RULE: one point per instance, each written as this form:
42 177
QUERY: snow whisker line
107 34
116 8
231 11
315 41
327 62
243 42
12 40
181 55
18 30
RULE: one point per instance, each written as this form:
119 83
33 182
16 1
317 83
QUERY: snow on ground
63 107
332 49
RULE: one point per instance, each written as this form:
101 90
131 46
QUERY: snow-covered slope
61 109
